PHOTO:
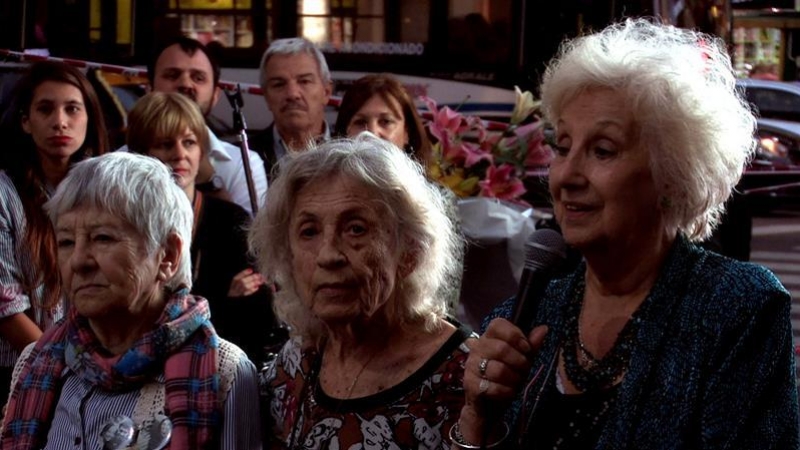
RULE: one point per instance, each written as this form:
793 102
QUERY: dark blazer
263 143
221 242
712 366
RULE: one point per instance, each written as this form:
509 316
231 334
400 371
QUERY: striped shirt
17 269
84 409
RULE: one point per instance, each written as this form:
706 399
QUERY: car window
778 144
774 103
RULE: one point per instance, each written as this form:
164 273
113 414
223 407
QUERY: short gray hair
680 86
293 46
139 190
412 206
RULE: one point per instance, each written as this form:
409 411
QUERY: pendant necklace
358 375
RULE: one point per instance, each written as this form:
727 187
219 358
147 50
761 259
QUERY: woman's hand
245 283
491 385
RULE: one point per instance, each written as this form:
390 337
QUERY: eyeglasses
120 432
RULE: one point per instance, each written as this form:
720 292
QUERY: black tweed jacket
713 362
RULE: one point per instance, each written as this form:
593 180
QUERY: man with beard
185 66
297 86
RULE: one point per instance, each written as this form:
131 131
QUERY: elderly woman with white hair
651 342
136 363
359 245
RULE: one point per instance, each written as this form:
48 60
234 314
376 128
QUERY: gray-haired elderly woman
359 243
136 362
651 342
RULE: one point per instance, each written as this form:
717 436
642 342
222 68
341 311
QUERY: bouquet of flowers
474 160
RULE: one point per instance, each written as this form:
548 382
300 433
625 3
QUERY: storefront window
228 23
765 41
209 4
415 15
480 30
340 23
95 12
757 50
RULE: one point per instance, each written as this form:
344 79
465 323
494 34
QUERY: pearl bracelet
458 439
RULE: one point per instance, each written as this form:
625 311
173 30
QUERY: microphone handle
532 286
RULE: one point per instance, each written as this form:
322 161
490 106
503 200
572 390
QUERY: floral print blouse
417 413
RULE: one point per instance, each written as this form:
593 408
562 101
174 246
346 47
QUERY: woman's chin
578 238
338 313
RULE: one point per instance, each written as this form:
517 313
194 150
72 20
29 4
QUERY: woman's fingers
499 363
245 283
536 337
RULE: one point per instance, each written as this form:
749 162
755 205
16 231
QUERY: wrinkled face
295 93
106 270
600 179
182 154
381 119
57 120
190 75
344 254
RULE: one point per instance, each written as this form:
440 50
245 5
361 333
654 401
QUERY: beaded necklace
596 374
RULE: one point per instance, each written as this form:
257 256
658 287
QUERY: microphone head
545 248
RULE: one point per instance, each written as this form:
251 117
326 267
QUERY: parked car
771 180
772 99
773 177
779 142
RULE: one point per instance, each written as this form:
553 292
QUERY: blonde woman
170 127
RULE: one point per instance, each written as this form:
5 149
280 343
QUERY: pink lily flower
538 154
502 182
445 120
474 153
468 153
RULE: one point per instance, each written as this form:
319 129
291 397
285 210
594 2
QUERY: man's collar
216 146
280 146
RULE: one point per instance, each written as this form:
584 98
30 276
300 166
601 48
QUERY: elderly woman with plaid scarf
136 363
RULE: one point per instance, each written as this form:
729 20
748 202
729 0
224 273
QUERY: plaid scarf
183 345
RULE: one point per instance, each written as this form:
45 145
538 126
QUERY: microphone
545 250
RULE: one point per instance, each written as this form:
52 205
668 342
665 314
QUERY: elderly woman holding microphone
136 363
359 244
651 342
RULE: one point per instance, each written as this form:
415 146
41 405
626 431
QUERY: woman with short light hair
651 342
136 363
358 242
170 127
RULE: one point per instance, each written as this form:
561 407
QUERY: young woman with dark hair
55 120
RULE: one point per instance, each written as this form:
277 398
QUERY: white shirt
226 159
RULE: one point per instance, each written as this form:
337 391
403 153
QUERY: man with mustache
185 66
297 86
